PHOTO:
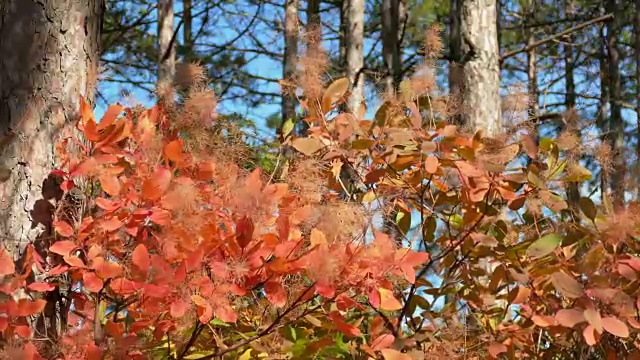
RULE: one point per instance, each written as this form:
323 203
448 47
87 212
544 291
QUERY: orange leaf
244 231
63 228
383 341
569 317
615 326
173 151
111 224
41 286
431 164
110 116
590 335
522 295
106 269
23 331
496 348
30 352
342 326
593 317
73 261
7 266
388 301
140 257
155 186
206 170
107 205
91 282
226 313
390 354
567 285
62 247
543 320
276 293
110 184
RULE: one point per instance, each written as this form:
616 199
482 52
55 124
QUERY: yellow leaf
388 301
318 238
307 146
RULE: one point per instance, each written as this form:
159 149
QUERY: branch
556 36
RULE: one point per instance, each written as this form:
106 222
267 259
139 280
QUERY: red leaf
161 217
244 231
226 314
342 326
28 308
30 352
140 258
179 308
615 326
67 185
7 266
59 269
276 293
85 168
569 317
23 331
41 286
63 228
325 290
110 184
156 185
590 335
91 282
4 324
122 286
62 247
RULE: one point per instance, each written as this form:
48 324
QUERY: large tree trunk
616 122
482 70
166 47
48 58
355 53
187 39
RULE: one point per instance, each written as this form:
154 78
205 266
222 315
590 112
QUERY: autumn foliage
176 252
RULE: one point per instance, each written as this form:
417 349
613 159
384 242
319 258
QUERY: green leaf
287 127
218 322
544 246
588 208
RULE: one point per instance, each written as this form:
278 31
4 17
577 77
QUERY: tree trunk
482 70
355 53
187 26
603 112
636 31
573 193
48 59
390 46
166 45
455 67
291 37
313 16
616 122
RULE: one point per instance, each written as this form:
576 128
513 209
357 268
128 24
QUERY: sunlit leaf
544 246
567 285
616 327
307 145
334 92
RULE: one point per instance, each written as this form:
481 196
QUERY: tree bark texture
355 53
456 81
291 38
482 70
166 47
391 11
48 59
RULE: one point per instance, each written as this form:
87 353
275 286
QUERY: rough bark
390 44
291 37
616 122
313 15
166 43
456 83
355 52
49 54
482 70
603 110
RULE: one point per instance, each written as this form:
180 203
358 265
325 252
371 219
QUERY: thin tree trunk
573 193
187 27
456 80
390 47
166 45
636 30
344 13
603 113
291 37
355 53
48 59
616 136
482 70
313 15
